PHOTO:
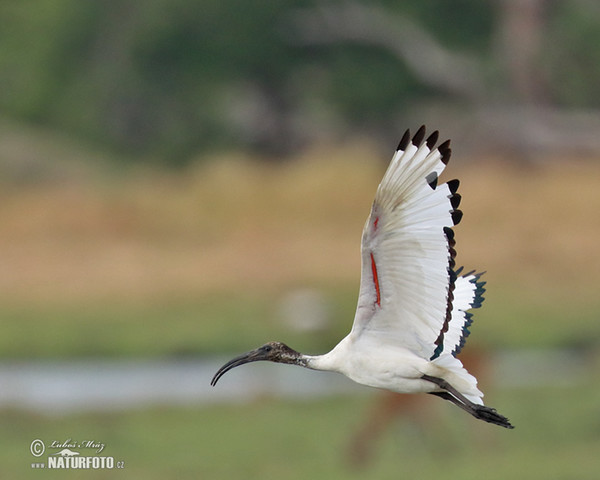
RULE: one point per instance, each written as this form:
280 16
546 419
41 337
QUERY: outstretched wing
408 279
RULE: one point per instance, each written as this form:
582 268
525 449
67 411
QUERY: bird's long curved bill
248 357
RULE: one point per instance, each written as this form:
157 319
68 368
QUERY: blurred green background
182 181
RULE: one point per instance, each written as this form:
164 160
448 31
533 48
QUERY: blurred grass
269 439
167 328
220 322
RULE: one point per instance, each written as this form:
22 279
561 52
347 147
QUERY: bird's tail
457 376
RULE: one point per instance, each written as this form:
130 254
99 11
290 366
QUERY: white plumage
411 320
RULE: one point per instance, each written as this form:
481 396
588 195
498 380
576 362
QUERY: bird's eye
267 348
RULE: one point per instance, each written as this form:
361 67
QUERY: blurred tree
166 78
572 64
520 35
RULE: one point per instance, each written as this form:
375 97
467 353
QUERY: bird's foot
489 414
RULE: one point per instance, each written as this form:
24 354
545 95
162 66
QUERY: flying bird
412 317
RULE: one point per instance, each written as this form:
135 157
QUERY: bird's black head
272 352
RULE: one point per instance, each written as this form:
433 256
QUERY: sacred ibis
411 320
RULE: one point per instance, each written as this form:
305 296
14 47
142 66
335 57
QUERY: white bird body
411 320
398 370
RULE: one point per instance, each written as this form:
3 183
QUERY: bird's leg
454 400
481 412
440 382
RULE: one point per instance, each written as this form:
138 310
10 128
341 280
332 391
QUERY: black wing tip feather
455 200
453 185
432 140
404 141
445 151
456 216
417 140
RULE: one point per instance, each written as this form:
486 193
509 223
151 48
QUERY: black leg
454 400
481 412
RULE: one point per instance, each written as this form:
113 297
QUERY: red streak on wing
375 280
375 224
